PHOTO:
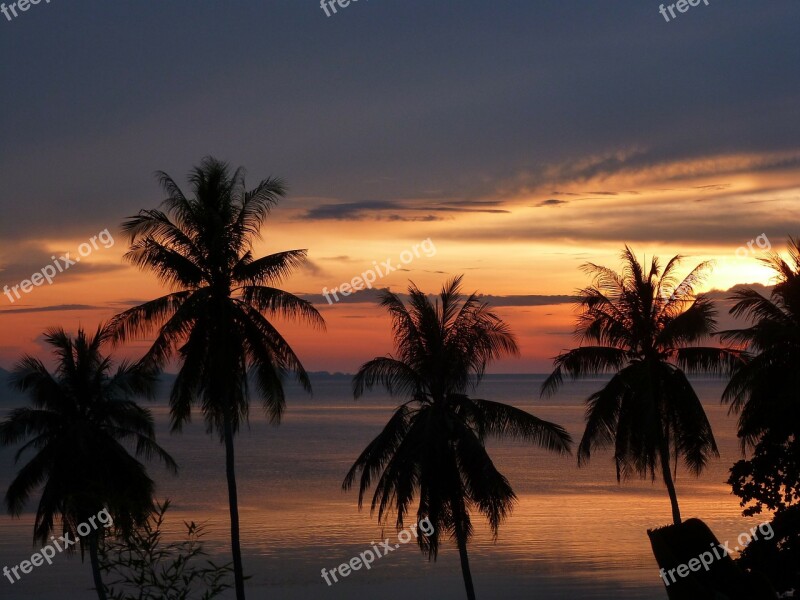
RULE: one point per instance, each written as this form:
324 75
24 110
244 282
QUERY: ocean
574 533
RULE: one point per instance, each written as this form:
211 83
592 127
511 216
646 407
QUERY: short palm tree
216 319
82 426
765 390
642 327
433 446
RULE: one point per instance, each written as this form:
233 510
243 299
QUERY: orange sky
530 244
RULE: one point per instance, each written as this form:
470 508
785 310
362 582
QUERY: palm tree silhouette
82 421
764 390
433 445
644 326
215 322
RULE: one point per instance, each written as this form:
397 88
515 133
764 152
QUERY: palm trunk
664 446
95 560
673 496
461 540
233 501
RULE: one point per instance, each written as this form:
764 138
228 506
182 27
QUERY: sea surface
574 533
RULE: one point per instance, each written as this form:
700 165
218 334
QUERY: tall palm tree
643 326
81 426
433 446
765 390
216 319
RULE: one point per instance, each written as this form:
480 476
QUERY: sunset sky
523 138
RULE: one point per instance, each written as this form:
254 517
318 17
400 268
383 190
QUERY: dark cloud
731 224
368 296
54 308
373 297
20 261
386 211
421 219
528 300
551 202
13 274
417 100
724 302
312 268
715 187
647 165
725 295
129 303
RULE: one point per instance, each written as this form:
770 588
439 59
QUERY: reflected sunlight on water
575 533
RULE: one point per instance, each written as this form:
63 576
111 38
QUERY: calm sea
575 533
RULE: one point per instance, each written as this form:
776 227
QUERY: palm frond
710 361
396 376
602 417
583 361
280 303
505 421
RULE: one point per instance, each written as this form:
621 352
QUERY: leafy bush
140 566
770 481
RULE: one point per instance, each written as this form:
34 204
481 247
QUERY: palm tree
765 390
433 445
82 421
215 321
642 327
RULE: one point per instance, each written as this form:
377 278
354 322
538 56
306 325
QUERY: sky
516 139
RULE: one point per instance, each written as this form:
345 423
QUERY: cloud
54 308
724 219
129 302
373 297
387 210
312 268
764 290
421 219
423 126
367 296
20 261
13 275
528 300
644 166
715 187
551 202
